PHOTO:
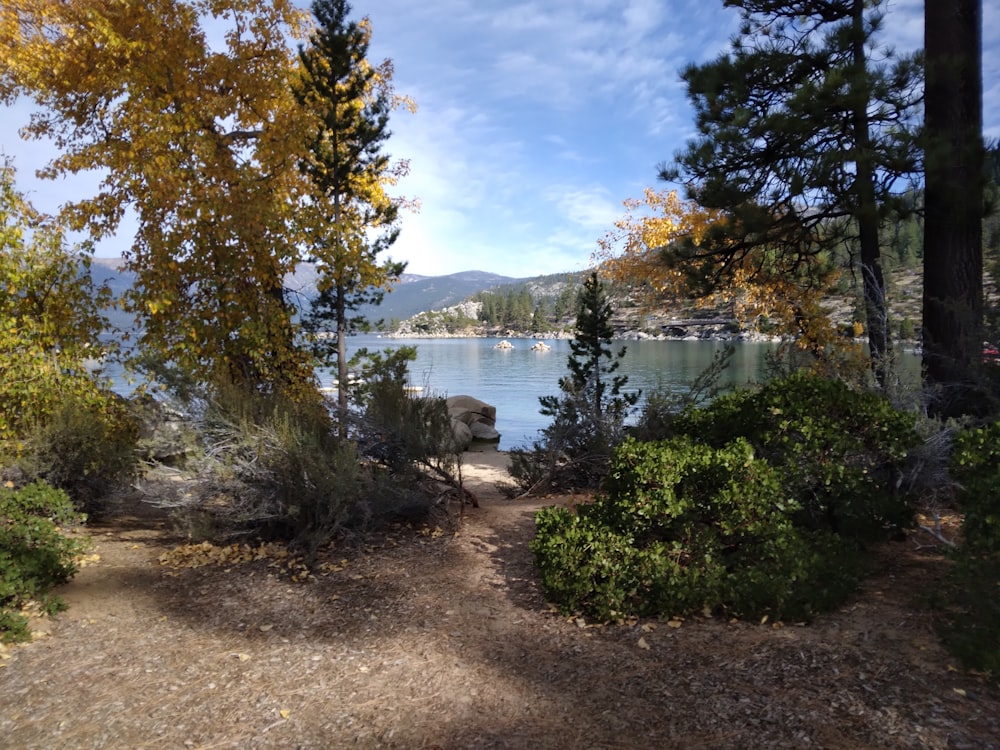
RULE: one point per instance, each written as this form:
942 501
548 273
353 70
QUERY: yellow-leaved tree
185 108
50 319
635 252
57 417
667 250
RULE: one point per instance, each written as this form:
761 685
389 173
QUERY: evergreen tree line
517 308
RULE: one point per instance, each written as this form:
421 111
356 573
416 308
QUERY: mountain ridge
415 293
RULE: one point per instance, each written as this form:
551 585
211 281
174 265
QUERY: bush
34 553
839 450
683 527
762 503
85 447
274 470
972 624
278 469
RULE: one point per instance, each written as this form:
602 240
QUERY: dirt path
437 639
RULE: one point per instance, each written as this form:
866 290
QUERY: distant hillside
412 295
417 293
686 318
443 305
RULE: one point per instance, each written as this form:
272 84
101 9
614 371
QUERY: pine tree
588 419
354 218
953 240
805 141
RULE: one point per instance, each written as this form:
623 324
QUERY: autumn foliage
667 249
635 252
200 136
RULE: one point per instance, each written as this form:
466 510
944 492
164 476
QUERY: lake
512 380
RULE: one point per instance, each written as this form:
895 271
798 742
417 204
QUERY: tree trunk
873 281
953 249
342 372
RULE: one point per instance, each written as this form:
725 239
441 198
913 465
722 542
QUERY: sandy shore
482 469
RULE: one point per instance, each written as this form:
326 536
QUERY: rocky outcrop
165 434
472 420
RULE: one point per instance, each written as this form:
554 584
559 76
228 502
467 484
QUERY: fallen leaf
265 628
642 644
674 623
959 691
648 627
284 713
242 657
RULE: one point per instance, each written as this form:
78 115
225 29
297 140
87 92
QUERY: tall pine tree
804 145
954 189
588 419
353 219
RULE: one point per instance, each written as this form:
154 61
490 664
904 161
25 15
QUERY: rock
463 434
484 432
472 419
505 344
470 409
165 434
540 346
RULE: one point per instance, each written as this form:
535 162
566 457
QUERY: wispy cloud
537 118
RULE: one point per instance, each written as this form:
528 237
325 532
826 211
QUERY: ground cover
439 637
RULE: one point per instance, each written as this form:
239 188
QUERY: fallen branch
937 533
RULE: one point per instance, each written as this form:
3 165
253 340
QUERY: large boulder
472 419
463 434
484 432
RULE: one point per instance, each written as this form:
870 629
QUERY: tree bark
873 280
953 249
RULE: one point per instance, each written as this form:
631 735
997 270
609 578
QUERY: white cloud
537 118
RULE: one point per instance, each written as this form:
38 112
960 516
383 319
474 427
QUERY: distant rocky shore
714 329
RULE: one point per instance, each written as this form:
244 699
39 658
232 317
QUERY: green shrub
972 591
273 469
85 447
976 466
682 527
278 469
34 553
839 450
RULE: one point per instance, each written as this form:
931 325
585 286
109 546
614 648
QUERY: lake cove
513 379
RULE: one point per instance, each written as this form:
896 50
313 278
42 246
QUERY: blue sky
536 119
